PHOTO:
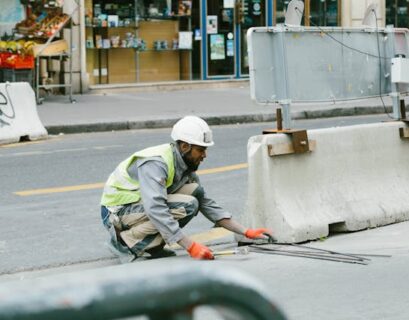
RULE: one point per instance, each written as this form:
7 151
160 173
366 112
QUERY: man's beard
190 164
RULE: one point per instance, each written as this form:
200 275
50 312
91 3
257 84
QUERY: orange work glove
257 233
199 251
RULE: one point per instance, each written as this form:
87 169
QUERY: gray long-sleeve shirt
152 174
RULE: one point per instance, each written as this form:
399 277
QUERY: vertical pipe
307 11
37 81
238 48
204 38
270 11
285 99
71 57
390 51
402 110
83 52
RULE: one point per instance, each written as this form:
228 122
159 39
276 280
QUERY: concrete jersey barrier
356 178
18 113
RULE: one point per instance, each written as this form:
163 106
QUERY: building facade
132 42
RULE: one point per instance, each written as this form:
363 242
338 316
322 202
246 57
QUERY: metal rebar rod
321 254
310 253
311 257
370 255
329 251
318 249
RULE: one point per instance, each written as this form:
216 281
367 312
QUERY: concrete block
356 178
18 116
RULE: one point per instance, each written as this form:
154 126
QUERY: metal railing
157 291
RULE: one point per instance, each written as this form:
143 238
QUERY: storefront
148 41
316 12
136 41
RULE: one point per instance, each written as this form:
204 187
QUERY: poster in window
256 7
227 15
217 51
211 24
198 35
185 39
230 48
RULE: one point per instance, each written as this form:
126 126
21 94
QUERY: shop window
323 13
316 12
396 13
139 40
280 10
254 16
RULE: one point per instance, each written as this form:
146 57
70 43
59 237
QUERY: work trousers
138 233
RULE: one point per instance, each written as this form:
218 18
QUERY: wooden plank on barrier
287 148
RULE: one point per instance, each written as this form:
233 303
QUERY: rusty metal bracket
299 139
299 143
402 110
404 133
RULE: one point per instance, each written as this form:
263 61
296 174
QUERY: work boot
160 252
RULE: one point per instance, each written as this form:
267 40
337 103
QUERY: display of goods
28 47
43 3
42 26
3 57
3 46
50 25
27 26
21 46
16 61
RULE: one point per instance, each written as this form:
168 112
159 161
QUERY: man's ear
184 147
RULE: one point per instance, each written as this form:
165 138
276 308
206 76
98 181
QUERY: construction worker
155 192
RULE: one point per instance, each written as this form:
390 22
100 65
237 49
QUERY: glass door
252 14
220 38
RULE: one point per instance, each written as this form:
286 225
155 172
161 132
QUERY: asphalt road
60 227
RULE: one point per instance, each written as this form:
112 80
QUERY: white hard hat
193 130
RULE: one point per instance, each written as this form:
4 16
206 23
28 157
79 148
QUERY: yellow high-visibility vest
121 189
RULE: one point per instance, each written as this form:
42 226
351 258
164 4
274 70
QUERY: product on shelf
20 46
43 27
115 41
98 41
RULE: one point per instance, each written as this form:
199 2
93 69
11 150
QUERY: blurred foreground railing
171 291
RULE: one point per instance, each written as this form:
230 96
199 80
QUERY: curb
214 120
167 86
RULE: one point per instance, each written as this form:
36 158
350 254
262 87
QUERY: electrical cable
11 103
380 66
345 45
379 57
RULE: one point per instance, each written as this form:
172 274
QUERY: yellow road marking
100 185
223 169
20 144
60 189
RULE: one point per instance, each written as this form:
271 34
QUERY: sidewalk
132 109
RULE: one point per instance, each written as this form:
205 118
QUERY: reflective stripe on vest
121 189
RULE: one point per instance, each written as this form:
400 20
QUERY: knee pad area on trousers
192 208
198 193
